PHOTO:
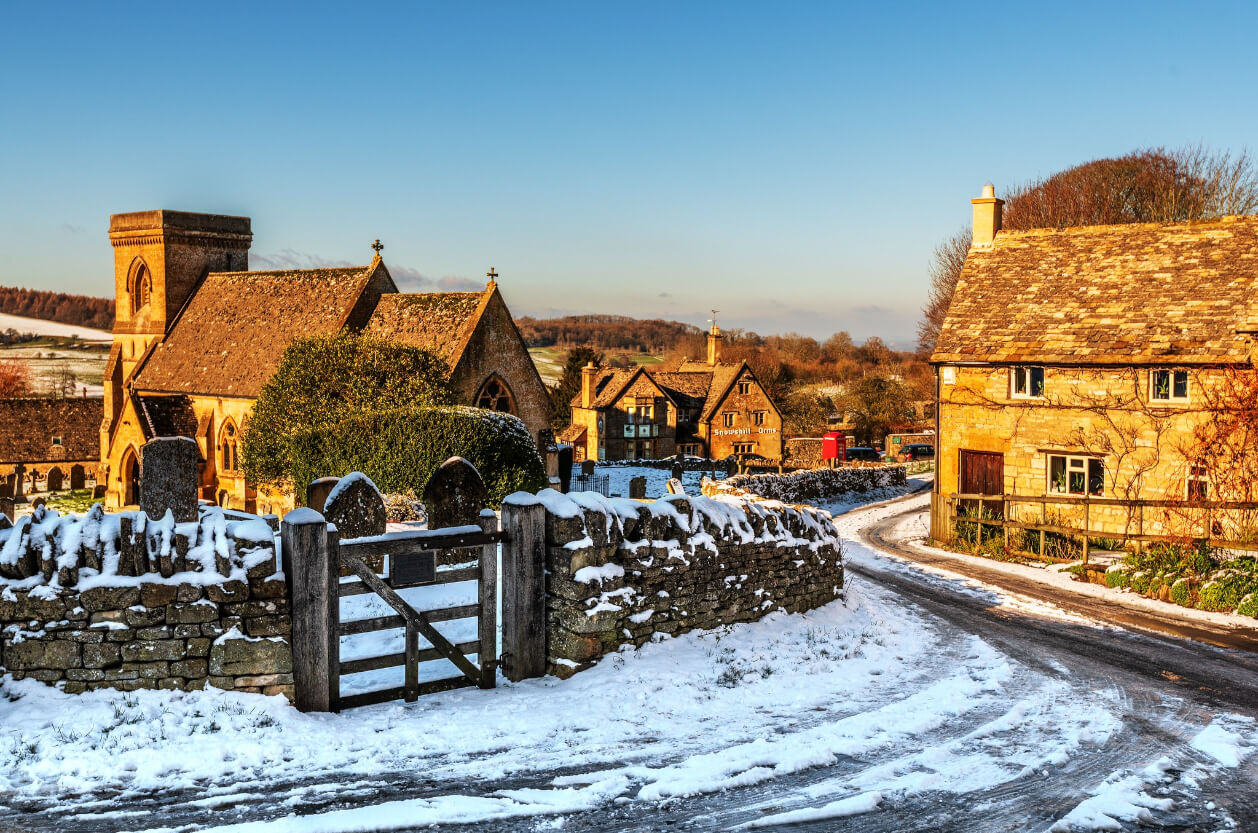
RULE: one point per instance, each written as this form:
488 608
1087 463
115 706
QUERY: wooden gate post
524 591
487 597
310 563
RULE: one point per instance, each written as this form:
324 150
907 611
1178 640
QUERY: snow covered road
920 702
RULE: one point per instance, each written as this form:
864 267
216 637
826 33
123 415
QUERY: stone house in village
54 443
196 336
708 409
1076 363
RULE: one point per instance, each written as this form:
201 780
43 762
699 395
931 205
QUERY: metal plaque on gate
409 569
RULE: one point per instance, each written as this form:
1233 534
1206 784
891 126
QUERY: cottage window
1075 475
1168 386
56 441
758 417
744 388
729 419
1027 382
744 448
1198 485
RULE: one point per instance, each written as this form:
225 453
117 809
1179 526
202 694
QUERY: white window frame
729 419
744 387
1022 376
1170 397
759 417
1074 464
744 448
1197 473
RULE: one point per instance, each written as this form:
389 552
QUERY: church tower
160 257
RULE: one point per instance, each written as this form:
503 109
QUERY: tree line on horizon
75 310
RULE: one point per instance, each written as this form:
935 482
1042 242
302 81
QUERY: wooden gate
982 473
313 561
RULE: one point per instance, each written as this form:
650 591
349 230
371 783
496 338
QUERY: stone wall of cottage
119 601
1103 412
622 572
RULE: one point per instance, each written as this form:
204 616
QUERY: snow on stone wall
624 572
802 486
120 601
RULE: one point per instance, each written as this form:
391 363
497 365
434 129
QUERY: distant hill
606 332
42 327
75 310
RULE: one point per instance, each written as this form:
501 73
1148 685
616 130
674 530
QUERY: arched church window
495 396
141 288
230 448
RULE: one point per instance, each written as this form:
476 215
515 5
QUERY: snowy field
51 328
853 716
618 478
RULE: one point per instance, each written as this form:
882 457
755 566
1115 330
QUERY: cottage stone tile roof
438 321
695 385
1122 294
229 339
167 416
30 425
688 390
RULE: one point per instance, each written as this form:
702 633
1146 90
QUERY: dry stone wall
622 572
119 601
810 485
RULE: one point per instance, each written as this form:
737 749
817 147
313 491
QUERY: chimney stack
986 216
587 385
714 345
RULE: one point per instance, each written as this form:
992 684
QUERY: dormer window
1026 383
1168 386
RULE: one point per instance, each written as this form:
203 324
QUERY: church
196 335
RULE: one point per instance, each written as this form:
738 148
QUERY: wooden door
982 473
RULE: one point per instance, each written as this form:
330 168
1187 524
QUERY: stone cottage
196 336
708 409
53 442
1077 362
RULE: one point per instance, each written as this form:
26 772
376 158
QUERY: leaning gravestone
6 512
356 507
78 477
637 488
454 495
675 487
168 478
318 490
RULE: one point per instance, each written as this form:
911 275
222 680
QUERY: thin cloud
406 277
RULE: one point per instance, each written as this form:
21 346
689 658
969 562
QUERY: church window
141 288
495 396
230 448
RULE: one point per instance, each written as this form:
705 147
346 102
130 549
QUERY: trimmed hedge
803 486
323 380
400 449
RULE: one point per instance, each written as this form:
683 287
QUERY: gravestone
19 483
6 487
587 468
168 478
678 470
454 495
6 511
55 478
637 488
38 502
356 506
565 468
317 492
98 491
78 477
675 487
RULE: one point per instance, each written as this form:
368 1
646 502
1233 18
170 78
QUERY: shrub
400 449
1181 593
1226 589
1140 581
1117 577
1248 606
323 380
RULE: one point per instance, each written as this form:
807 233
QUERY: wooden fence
1197 521
313 561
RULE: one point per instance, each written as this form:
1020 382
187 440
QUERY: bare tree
945 268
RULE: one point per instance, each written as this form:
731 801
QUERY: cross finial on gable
377 247
492 274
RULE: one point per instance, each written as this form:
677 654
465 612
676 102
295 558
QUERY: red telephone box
833 446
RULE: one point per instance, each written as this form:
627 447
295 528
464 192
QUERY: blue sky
792 164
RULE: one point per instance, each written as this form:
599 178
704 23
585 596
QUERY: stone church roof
167 416
1181 293
31 424
438 321
230 336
